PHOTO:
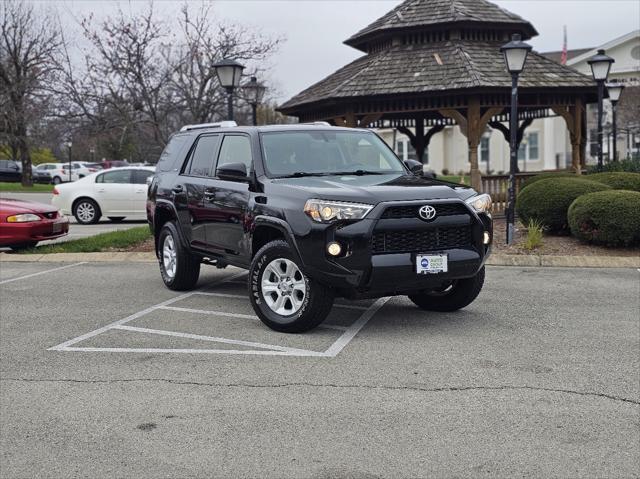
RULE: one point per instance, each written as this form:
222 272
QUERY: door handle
177 189
101 190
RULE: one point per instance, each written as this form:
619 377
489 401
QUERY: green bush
617 180
610 218
547 201
548 174
630 165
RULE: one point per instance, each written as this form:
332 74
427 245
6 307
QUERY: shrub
610 218
548 174
629 165
534 235
547 201
618 180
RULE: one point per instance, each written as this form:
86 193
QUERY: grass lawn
18 188
455 179
114 240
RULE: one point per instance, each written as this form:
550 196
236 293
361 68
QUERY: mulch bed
552 245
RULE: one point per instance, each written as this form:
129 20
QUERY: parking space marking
42 272
239 296
348 332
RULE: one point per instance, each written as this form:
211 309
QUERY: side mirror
414 166
232 172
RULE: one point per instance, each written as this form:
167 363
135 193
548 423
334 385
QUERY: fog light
487 238
334 249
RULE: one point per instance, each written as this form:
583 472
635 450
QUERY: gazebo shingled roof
431 63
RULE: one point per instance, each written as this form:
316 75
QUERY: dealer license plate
432 263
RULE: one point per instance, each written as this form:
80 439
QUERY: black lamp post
69 145
515 55
600 66
254 93
229 72
614 90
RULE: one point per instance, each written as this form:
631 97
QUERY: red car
24 223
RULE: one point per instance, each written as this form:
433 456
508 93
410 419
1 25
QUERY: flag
563 58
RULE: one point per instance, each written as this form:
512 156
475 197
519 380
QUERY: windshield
302 153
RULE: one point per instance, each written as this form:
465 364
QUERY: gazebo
433 63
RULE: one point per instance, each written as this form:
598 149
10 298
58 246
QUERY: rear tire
460 293
87 211
56 180
283 297
179 269
116 219
23 246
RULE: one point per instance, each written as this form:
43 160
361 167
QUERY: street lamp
615 90
229 72
254 93
69 145
600 66
515 55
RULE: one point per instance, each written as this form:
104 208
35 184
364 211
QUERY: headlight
23 218
480 203
325 211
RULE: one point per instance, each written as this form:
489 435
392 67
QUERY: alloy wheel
283 287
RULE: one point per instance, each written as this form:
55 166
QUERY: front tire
283 297
179 269
87 212
457 295
23 246
57 180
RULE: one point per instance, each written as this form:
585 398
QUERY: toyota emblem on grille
427 212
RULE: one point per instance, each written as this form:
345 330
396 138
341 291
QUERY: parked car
40 175
113 164
116 193
314 212
24 223
81 168
10 171
58 172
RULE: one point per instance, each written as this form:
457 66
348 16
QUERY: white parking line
348 333
42 272
240 296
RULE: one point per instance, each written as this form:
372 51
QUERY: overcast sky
315 29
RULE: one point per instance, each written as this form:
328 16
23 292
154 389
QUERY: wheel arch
163 213
268 229
75 202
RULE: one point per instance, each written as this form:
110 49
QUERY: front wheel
283 297
57 180
452 296
87 212
180 269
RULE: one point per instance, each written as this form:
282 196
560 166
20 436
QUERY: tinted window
140 176
169 159
203 154
117 176
3 163
235 149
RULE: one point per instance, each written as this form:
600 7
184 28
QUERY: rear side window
203 155
118 176
235 149
140 176
171 156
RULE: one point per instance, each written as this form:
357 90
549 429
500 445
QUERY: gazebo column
419 140
472 126
573 117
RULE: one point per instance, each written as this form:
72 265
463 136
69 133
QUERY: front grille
445 237
442 209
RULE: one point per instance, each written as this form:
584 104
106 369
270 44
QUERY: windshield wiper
359 172
301 174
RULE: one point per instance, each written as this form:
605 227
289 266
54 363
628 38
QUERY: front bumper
365 271
17 233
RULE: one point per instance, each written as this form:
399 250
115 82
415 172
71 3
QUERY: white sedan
116 193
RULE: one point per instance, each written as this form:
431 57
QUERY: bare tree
29 47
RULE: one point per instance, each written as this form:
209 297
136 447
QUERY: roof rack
220 124
317 123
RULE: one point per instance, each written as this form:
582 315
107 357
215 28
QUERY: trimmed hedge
548 174
547 201
610 218
618 180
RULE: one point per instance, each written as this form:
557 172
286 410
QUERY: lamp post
254 93
600 65
229 72
614 90
515 55
69 145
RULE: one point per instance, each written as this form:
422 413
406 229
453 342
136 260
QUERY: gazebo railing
498 185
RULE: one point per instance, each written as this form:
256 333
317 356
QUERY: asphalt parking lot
105 373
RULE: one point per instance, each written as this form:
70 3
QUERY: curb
494 259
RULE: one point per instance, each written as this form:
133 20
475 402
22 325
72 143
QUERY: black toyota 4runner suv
314 212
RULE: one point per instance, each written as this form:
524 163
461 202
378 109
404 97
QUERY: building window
484 149
529 148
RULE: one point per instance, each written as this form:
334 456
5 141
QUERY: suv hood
375 188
